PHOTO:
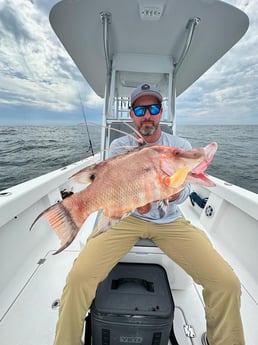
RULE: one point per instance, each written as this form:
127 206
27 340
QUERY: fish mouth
196 174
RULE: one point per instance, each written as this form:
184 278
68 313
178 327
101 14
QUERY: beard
147 128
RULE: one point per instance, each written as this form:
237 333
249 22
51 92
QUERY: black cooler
133 305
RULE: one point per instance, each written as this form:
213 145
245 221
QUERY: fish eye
92 177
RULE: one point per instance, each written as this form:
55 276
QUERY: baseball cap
143 90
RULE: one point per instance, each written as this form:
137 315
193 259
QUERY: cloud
36 70
227 93
93 100
37 73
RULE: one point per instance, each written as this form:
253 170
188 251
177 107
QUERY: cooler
133 305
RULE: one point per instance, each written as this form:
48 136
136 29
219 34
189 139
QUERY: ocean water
236 160
30 151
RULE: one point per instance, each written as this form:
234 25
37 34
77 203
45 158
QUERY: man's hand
144 209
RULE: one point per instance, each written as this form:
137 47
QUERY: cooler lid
135 289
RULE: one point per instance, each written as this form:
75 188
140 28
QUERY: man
188 246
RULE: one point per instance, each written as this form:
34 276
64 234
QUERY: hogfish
128 181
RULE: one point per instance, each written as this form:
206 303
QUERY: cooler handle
149 286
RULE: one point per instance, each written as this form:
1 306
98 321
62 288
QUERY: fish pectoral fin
106 222
177 179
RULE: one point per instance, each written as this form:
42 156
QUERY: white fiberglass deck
30 319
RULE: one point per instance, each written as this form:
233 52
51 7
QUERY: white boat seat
145 242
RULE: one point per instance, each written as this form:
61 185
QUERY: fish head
188 166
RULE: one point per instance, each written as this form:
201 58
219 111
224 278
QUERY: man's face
148 124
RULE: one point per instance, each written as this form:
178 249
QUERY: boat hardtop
146 37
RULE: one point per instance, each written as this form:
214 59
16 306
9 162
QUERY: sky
40 84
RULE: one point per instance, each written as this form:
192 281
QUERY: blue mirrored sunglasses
140 110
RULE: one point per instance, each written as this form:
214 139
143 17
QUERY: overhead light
153 12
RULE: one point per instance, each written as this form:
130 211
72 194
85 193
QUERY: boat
117 45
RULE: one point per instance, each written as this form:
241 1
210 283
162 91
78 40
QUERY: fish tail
61 220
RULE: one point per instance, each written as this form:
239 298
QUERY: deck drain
41 261
55 304
209 211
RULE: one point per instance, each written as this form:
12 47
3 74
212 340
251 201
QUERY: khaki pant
188 246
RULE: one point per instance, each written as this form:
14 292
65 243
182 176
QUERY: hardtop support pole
106 21
191 25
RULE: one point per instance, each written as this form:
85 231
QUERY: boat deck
37 302
34 303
